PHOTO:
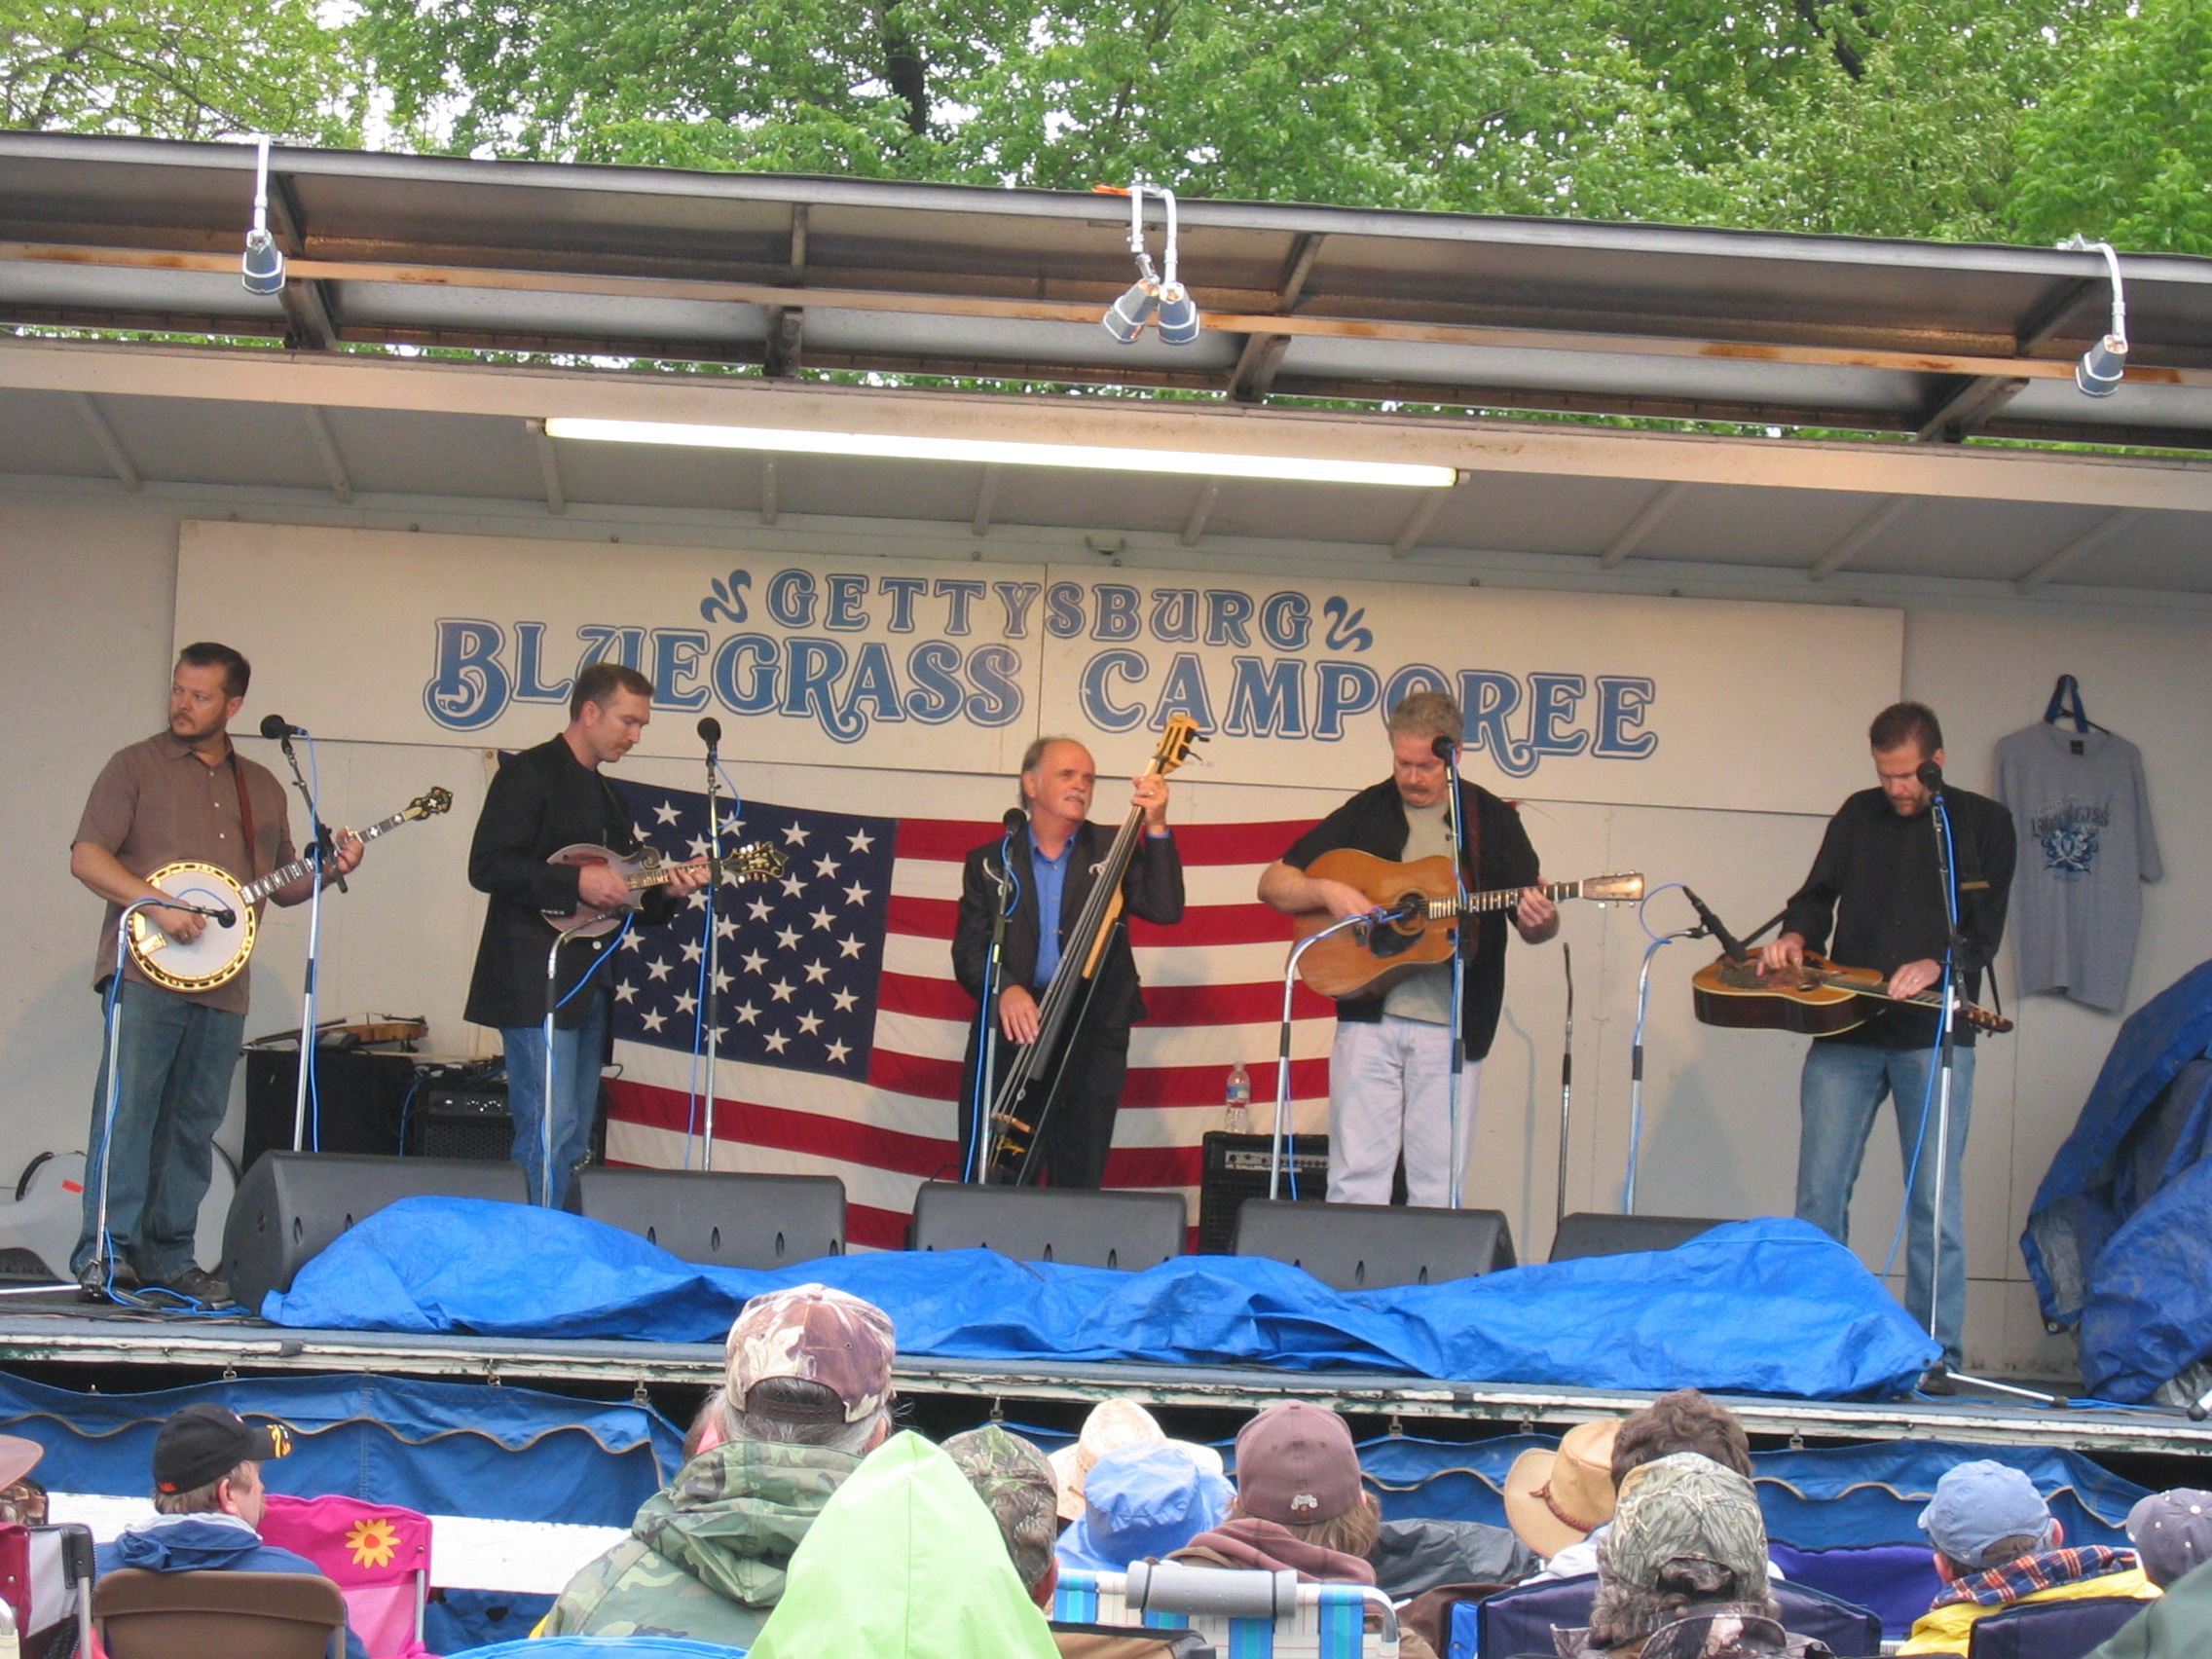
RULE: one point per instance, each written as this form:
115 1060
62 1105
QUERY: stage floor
74 1335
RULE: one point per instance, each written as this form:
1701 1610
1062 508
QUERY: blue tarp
442 1448
2114 1239
1768 1306
1833 1497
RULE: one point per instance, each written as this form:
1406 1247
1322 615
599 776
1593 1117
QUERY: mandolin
1366 961
1819 1000
759 861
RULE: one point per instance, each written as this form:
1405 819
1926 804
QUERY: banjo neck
283 875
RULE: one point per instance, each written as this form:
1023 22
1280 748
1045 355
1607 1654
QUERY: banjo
219 954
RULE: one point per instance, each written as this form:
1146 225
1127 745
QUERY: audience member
1555 1500
2172 1533
1996 1546
1140 1502
809 1396
903 1563
706 1429
22 1500
1682 1572
1018 1487
1112 1425
207 1502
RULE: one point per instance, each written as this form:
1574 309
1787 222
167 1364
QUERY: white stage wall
92 586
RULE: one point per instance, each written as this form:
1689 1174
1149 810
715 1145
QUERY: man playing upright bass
1876 875
1390 1070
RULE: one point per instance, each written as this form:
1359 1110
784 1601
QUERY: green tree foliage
2122 150
178 69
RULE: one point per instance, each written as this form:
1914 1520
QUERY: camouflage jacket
705 1559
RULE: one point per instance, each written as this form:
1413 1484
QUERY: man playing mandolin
1390 1070
1055 861
543 800
184 794
1876 874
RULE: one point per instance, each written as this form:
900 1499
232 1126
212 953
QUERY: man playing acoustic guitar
183 794
1876 875
1390 1070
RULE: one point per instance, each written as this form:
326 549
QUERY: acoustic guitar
1364 962
219 953
1817 1001
758 861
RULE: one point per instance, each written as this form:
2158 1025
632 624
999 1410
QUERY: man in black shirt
1390 1068
543 799
1877 876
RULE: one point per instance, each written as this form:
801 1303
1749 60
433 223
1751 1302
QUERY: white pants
1389 1089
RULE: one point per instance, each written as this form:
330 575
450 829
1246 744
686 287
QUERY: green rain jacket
905 1562
707 1557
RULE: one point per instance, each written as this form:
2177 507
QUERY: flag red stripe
812 1133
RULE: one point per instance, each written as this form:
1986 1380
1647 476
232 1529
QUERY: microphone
276 726
1442 746
221 915
1014 820
710 733
1930 777
1718 929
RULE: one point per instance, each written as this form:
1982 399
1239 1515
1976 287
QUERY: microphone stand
1282 1051
1946 871
1636 1061
987 1045
103 1260
1566 1084
552 1006
710 1005
1462 923
321 848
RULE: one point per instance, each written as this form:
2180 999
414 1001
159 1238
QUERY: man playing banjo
183 794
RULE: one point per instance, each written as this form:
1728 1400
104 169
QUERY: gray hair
1032 759
793 1411
1624 1612
1427 714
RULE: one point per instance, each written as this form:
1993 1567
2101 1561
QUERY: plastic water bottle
1239 1116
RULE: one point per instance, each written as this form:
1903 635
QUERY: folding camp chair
1252 1614
50 1586
2051 1630
377 1554
218 1615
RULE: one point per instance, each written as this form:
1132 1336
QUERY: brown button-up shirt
156 802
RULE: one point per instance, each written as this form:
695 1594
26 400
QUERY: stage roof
609 277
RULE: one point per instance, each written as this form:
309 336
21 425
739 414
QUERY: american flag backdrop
842 1028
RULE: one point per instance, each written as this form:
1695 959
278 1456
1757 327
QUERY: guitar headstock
1175 743
1981 1019
429 804
1613 889
756 861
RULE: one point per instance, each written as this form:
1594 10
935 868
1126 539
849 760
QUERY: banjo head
218 954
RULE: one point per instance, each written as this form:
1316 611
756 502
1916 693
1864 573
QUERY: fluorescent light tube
877 447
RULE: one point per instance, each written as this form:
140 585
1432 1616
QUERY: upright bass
1031 1085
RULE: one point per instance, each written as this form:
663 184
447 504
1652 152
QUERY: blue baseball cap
1141 1502
1979 1504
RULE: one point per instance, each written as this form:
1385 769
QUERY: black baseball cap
204 1442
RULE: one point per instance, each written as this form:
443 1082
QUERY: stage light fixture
1156 297
262 269
989 450
2105 364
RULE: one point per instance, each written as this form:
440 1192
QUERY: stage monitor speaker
460 1120
762 1222
291 1204
1586 1235
1236 1168
362 1096
1370 1247
1134 1230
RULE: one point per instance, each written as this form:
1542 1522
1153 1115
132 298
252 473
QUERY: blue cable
699 1025
608 956
315 1002
1647 898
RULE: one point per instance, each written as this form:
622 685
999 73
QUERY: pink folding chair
377 1554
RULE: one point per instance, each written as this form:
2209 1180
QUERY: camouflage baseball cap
1686 1506
818 1335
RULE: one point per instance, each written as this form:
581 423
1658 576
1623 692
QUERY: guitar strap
245 810
1470 836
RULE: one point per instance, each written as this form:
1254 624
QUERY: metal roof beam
1969 403
1254 376
1657 506
1201 509
2080 548
1850 547
986 498
548 468
768 504
326 446
1418 520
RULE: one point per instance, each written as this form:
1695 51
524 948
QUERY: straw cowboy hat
1111 1426
1557 1498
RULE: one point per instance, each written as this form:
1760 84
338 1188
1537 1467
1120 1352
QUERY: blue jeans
1843 1087
176 1060
575 1093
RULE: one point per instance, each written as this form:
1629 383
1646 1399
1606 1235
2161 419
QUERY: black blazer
1152 890
541 801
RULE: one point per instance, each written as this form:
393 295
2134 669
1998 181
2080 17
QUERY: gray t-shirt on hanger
2082 815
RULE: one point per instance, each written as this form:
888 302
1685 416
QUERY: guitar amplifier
360 1095
1236 1168
460 1119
